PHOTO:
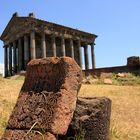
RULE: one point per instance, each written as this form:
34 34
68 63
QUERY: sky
116 22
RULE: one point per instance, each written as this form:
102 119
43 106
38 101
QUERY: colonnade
19 52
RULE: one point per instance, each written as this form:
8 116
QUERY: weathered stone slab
91 119
48 96
26 135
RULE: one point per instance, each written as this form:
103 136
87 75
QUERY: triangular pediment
16 27
8 27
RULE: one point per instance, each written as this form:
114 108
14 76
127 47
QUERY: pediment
17 25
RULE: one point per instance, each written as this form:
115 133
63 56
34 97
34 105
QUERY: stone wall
117 69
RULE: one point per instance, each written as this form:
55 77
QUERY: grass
9 90
128 79
125 118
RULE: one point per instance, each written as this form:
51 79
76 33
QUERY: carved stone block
48 96
91 119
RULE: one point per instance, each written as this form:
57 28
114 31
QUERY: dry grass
125 119
9 90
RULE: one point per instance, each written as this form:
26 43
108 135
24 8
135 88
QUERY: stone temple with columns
27 38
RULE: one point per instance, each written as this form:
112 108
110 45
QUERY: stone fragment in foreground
48 96
91 119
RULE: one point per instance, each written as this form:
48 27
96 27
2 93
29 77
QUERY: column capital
10 44
71 42
85 46
27 34
92 44
32 28
14 43
79 40
53 35
71 39
5 46
62 36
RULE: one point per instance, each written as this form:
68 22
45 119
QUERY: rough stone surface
48 96
133 61
24 135
91 119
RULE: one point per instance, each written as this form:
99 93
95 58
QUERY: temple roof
18 26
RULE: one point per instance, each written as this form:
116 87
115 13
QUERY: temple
27 38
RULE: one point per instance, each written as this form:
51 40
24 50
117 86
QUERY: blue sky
116 22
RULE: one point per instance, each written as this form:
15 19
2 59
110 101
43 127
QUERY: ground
125 118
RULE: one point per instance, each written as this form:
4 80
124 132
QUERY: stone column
32 43
72 48
63 46
92 56
5 62
86 57
26 50
43 44
54 46
10 59
80 53
14 57
19 54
